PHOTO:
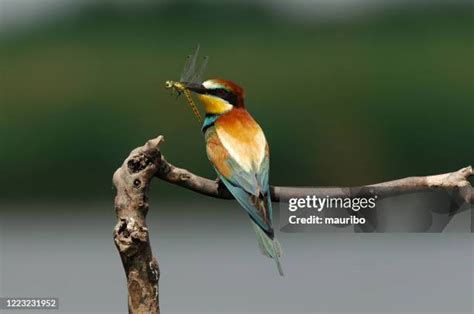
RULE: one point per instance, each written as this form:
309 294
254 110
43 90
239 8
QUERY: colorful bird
238 150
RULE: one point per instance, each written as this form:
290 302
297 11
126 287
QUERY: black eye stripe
224 94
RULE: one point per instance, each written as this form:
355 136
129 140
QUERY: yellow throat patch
214 105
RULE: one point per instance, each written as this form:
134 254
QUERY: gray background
210 264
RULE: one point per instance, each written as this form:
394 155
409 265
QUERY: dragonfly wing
197 77
189 66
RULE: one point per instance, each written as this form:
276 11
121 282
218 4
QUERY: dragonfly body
179 88
190 75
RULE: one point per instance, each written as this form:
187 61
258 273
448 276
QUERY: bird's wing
258 208
262 179
241 160
264 171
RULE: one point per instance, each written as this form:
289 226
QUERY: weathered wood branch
457 182
132 181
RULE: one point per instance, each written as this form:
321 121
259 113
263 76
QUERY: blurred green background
344 99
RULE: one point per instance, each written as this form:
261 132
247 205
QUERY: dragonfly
192 73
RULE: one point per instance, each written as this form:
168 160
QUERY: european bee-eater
238 151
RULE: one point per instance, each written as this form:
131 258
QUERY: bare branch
132 181
456 181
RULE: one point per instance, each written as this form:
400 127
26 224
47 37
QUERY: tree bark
132 181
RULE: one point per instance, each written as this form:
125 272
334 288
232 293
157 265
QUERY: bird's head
218 96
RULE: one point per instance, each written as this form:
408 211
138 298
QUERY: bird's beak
195 87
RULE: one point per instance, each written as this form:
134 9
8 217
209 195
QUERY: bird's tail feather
269 247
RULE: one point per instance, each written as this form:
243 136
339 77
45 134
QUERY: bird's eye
221 93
